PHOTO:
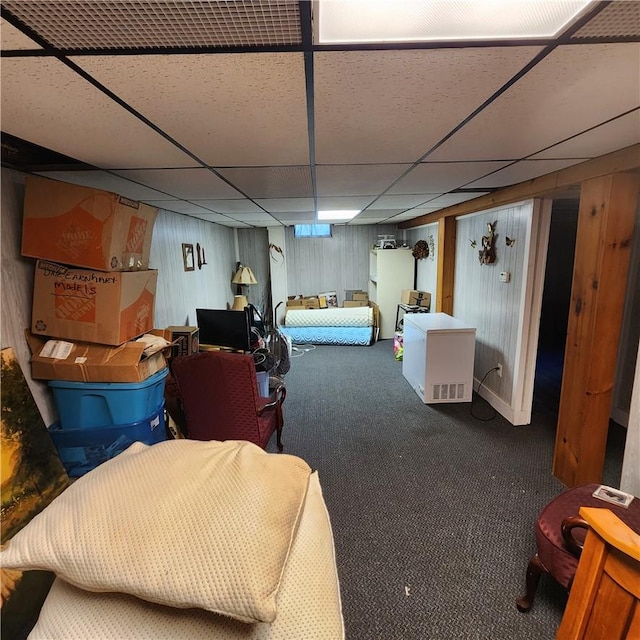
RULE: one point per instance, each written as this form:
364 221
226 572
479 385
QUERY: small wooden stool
560 534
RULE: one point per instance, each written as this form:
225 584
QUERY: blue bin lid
156 378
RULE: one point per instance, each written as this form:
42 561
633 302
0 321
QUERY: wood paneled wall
493 307
427 268
253 247
180 292
332 264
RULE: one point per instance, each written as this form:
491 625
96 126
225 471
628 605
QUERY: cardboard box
416 298
361 295
309 302
92 306
184 340
355 303
349 293
85 227
86 362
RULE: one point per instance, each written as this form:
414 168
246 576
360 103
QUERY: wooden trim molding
446 265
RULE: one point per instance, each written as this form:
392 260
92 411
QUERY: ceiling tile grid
392 106
391 132
574 88
229 110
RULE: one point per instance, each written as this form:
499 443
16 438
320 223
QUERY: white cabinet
438 357
390 271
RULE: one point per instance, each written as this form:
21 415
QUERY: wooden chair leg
534 571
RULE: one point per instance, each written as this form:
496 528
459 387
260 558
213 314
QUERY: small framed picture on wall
188 259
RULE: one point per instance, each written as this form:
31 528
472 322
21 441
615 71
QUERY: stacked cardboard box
416 298
93 295
356 298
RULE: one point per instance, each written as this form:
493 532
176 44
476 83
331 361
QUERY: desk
409 308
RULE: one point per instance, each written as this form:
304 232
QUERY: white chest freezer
438 356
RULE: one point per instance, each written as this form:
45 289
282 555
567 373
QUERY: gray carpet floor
433 511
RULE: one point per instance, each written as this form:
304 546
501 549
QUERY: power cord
473 415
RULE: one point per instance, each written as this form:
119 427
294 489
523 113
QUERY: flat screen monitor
224 328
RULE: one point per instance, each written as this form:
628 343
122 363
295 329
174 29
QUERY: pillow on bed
308 601
181 523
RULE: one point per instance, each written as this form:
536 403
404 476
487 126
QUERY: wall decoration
188 259
274 251
201 259
487 255
509 241
473 244
432 246
420 250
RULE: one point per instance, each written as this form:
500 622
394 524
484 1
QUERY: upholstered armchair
218 394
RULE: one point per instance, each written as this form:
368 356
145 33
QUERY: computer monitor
224 328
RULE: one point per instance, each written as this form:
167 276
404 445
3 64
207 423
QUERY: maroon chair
218 394
560 534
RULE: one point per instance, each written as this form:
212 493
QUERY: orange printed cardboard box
92 306
85 227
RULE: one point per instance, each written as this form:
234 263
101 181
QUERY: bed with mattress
337 326
186 539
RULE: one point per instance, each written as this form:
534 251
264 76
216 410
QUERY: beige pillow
181 523
308 601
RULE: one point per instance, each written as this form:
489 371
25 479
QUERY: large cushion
308 601
181 523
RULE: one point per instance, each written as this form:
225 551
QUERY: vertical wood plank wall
493 307
253 245
332 264
603 247
427 268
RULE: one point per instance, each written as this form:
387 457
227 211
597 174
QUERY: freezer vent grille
448 391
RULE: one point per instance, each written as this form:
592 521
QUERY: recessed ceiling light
360 21
338 214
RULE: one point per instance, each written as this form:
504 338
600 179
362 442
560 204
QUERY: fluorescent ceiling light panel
338 214
353 21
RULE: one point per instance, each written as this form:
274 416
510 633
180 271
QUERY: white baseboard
515 417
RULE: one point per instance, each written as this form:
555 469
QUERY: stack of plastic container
93 295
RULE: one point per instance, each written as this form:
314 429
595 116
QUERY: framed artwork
188 258
32 476
331 298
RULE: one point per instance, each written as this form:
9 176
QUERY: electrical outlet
499 369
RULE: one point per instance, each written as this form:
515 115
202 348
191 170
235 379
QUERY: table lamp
242 277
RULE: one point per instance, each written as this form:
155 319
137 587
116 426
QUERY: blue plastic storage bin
84 449
90 405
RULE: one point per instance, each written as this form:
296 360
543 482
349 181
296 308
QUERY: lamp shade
244 275
239 303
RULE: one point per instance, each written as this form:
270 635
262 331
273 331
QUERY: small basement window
311 230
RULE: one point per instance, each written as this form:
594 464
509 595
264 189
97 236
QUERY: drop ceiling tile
46 103
178 206
356 179
402 201
213 217
524 170
253 217
373 214
230 206
393 106
361 221
442 176
271 182
194 184
106 181
421 211
14 39
617 134
574 88
285 205
329 203
228 109
449 199
299 218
